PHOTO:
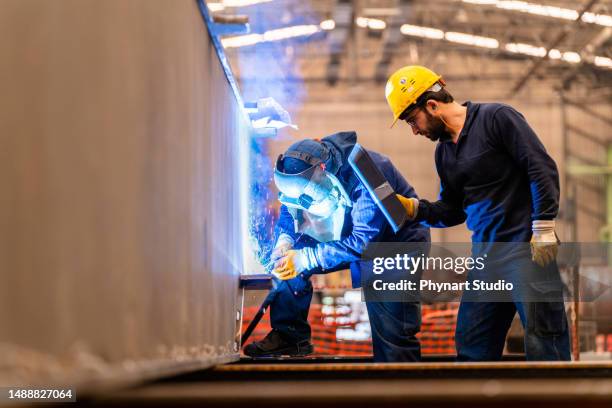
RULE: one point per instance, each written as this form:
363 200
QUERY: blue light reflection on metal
261 199
221 29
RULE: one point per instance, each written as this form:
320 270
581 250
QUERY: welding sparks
276 50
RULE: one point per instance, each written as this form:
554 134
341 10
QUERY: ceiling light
538 9
243 3
376 24
601 19
487 42
327 25
527 49
361 22
531 8
242 40
425 32
272 35
554 54
371 23
603 62
290 32
546 11
469 39
570 56
482 2
215 6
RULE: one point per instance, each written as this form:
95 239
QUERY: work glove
544 242
294 262
411 205
283 244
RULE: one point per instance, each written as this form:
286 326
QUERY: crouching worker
327 218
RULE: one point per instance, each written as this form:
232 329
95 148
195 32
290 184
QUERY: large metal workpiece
342 383
122 229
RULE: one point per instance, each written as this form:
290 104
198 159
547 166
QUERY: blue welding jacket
365 222
498 177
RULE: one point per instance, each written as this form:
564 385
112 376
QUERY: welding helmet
406 85
304 182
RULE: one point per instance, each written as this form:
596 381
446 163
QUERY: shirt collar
470 115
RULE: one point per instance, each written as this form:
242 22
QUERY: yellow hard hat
406 85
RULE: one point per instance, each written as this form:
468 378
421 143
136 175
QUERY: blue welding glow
244 181
262 216
268 69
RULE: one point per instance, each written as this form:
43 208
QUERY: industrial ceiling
564 44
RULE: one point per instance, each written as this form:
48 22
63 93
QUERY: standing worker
496 175
327 219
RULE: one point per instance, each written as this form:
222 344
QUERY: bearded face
435 129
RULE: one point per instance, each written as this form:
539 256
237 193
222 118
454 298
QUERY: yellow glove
295 262
410 204
544 242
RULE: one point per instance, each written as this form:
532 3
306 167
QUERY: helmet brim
394 122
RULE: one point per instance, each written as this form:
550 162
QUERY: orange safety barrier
438 328
437 334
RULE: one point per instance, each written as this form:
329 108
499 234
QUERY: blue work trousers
482 326
394 324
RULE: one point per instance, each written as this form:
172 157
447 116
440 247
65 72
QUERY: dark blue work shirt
498 177
365 222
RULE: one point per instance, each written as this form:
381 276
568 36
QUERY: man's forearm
439 214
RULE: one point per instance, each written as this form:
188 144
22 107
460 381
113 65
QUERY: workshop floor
355 383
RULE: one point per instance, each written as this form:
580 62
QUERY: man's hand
544 242
295 262
283 244
410 204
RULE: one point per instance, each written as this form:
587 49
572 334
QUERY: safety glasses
409 116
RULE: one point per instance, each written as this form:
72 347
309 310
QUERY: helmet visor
304 189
